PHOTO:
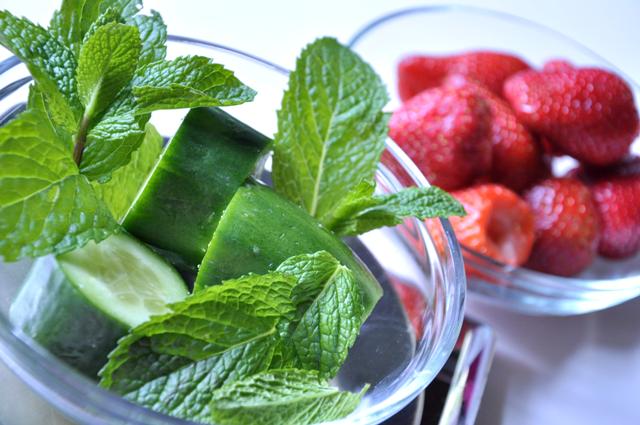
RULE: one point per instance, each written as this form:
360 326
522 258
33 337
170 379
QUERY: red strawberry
567 228
413 302
445 132
588 113
616 192
498 223
417 73
557 65
516 156
549 148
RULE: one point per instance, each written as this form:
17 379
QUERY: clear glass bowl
445 29
400 360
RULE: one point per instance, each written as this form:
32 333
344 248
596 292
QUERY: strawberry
516 156
498 223
616 193
445 132
588 113
417 73
557 65
566 224
413 302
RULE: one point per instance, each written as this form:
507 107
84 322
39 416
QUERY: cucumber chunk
210 156
79 304
260 229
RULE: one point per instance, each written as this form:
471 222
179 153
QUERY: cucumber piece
210 156
260 229
79 304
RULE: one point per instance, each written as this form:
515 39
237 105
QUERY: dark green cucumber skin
210 156
59 317
260 229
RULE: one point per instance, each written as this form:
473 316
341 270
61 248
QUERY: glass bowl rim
71 393
525 278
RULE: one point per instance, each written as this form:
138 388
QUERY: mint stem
80 140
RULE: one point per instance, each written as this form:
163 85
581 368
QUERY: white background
583 370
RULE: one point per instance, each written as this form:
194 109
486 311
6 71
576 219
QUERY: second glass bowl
451 29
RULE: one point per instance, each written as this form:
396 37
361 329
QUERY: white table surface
583 370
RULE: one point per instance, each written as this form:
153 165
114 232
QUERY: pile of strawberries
485 126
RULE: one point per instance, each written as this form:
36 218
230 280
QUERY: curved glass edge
454 304
80 399
614 290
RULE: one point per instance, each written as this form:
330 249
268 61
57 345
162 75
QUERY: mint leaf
153 33
330 325
110 145
45 206
362 211
55 110
207 323
311 271
111 15
126 8
75 19
120 192
329 315
179 387
31 157
281 397
51 64
57 219
331 128
107 62
187 82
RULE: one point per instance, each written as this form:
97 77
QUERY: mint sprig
99 72
331 134
305 315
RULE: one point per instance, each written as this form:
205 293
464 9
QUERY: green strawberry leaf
107 62
45 206
51 64
120 192
331 128
187 82
153 33
110 145
281 397
362 211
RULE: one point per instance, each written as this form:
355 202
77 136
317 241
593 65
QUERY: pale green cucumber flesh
209 157
78 304
260 229
123 278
